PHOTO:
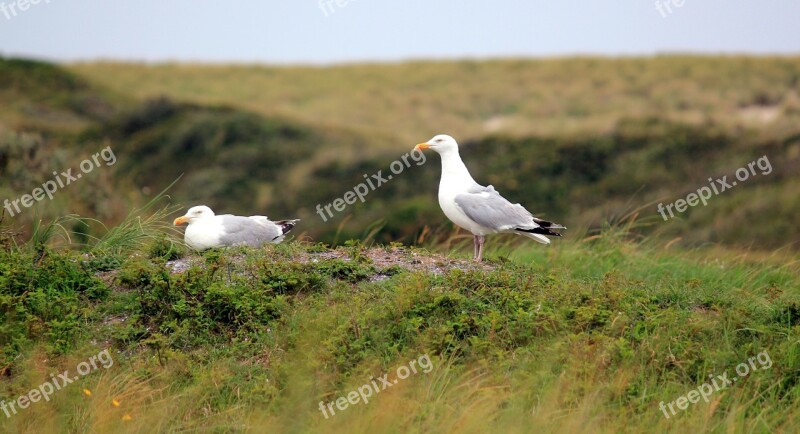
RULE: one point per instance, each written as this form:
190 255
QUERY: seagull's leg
481 239
475 247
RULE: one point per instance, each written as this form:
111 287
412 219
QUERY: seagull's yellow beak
180 220
421 146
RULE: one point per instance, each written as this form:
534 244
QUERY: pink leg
481 240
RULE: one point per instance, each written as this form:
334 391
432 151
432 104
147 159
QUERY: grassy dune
404 103
582 140
580 337
589 334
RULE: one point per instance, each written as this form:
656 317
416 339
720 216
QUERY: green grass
579 337
586 335
577 140
142 227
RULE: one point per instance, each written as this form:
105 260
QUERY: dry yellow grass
469 99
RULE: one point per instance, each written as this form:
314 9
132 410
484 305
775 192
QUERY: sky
343 31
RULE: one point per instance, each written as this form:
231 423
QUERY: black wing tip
540 231
548 224
287 225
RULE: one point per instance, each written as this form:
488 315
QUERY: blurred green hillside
580 140
552 97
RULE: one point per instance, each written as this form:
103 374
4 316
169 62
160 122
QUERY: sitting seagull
478 209
207 230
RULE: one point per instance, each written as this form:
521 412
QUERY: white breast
456 180
448 203
204 233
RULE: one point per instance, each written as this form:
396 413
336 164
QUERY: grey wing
262 220
243 230
486 207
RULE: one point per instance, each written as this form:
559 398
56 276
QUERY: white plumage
207 230
478 209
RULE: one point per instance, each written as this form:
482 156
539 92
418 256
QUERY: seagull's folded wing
243 230
487 208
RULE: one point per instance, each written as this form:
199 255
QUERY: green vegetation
581 337
650 131
589 334
403 103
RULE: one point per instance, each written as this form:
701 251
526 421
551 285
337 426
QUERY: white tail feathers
536 237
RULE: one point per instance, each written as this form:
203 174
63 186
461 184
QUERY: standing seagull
207 230
478 209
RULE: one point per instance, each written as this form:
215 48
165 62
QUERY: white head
195 213
441 143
